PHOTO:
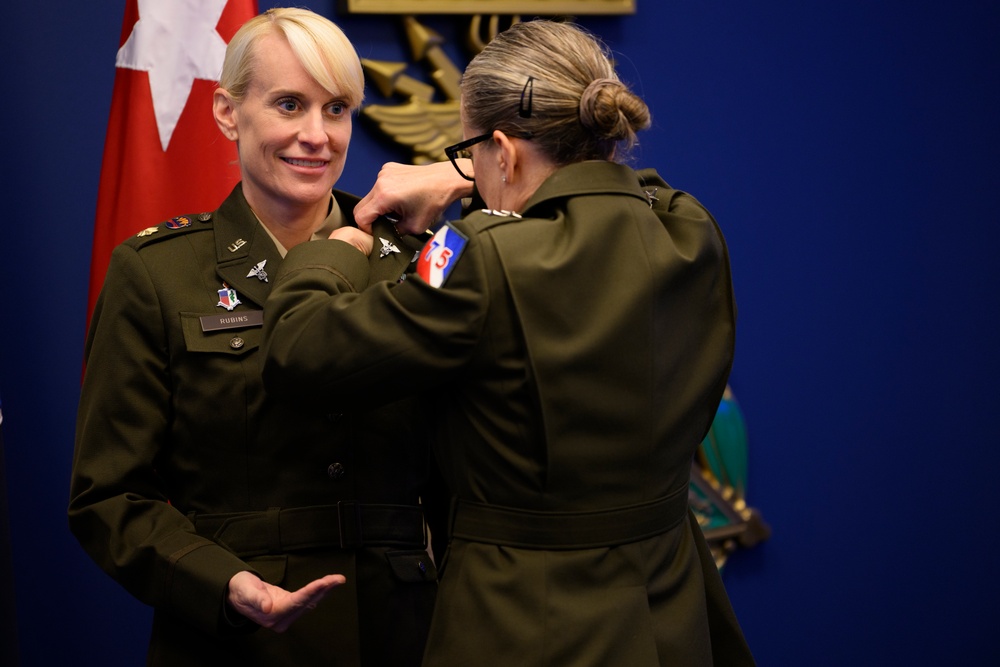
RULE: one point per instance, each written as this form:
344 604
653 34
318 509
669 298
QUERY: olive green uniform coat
577 356
175 434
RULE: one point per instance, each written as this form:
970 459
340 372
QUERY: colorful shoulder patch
440 255
179 222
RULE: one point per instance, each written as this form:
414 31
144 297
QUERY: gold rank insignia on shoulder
506 214
148 231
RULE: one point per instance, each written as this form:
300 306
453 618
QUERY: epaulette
182 224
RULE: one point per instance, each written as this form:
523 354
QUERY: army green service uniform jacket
185 473
577 354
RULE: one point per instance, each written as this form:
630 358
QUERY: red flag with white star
164 155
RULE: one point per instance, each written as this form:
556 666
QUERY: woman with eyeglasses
576 335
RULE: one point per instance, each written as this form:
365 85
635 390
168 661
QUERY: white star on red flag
163 154
176 43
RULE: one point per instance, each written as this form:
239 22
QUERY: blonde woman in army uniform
223 509
576 335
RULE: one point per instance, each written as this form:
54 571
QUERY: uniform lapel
246 256
242 245
392 254
384 264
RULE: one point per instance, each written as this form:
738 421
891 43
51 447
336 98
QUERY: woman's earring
504 178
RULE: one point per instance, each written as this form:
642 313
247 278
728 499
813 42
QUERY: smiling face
291 132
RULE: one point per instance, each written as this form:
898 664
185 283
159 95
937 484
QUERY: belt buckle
349 508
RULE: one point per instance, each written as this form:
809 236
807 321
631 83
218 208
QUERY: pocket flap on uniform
412 565
237 340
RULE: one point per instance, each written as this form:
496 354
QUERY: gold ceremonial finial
419 123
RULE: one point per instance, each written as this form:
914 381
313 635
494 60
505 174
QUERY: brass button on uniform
336 470
236 343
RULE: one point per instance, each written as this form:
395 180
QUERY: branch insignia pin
258 270
651 196
387 247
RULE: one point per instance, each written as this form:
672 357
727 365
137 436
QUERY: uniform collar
247 257
583 178
334 219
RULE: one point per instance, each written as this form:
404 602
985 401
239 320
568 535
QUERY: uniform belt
530 529
346 525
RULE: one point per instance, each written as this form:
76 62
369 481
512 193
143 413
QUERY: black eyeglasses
461 149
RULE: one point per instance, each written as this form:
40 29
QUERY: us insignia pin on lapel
228 298
387 248
258 270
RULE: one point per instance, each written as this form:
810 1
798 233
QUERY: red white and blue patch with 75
440 255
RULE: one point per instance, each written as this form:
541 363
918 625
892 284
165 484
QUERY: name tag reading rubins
242 320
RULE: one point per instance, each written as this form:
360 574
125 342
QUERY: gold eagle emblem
420 123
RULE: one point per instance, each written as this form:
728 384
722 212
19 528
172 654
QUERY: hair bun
594 87
611 110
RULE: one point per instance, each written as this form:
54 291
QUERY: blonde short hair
319 44
579 109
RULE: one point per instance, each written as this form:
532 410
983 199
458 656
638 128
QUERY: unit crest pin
228 298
